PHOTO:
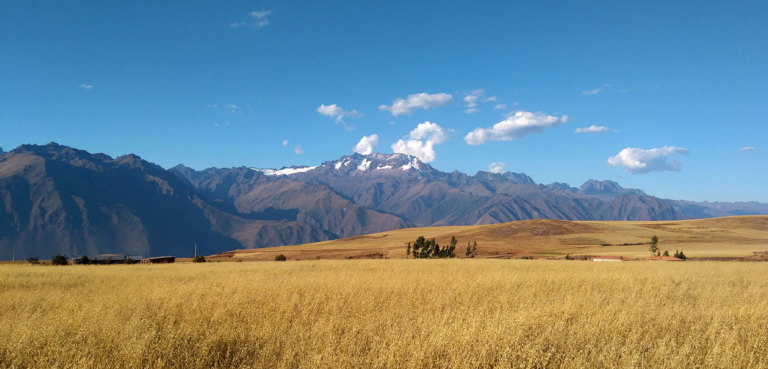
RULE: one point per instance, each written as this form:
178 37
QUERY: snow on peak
364 165
284 171
376 161
415 163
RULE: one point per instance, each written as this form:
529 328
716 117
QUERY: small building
664 258
609 258
159 260
109 259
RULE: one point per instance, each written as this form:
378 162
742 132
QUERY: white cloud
594 129
298 150
260 18
366 144
472 98
335 111
491 99
87 87
515 127
421 141
747 148
622 91
231 107
285 142
500 106
417 101
225 124
592 92
639 161
497 168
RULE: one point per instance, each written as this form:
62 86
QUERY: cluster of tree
430 249
59 259
655 249
198 259
280 257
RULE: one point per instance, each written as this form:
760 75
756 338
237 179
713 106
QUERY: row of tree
430 249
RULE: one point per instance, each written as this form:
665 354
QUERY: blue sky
224 84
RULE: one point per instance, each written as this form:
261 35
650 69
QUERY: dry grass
719 237
386 314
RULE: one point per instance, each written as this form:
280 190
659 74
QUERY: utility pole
195 250
14 252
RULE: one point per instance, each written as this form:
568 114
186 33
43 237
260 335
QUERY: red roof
664 258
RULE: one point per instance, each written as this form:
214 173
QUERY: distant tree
469 249
131 261
408 250
59 259
34 260
280 257
84 260
666 253
474 248
654 248
199 259
452 247
680 255
420 244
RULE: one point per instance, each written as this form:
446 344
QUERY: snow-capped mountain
376 161
87 198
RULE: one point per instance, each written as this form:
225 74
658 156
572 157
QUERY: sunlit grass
386 313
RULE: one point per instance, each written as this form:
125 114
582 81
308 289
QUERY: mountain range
58 199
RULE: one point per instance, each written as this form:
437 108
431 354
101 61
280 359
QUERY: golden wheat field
386 314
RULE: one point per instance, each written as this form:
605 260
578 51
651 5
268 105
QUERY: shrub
198 259
84 260
59 259
34 260
280 257
680 255
131 261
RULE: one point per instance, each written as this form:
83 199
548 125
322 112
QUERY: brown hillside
741 236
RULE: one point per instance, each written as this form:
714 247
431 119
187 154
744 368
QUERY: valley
741 238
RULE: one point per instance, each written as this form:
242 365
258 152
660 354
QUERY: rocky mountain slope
57 199
62 200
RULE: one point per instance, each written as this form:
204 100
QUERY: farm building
159 260
664 258
109 259
609 258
